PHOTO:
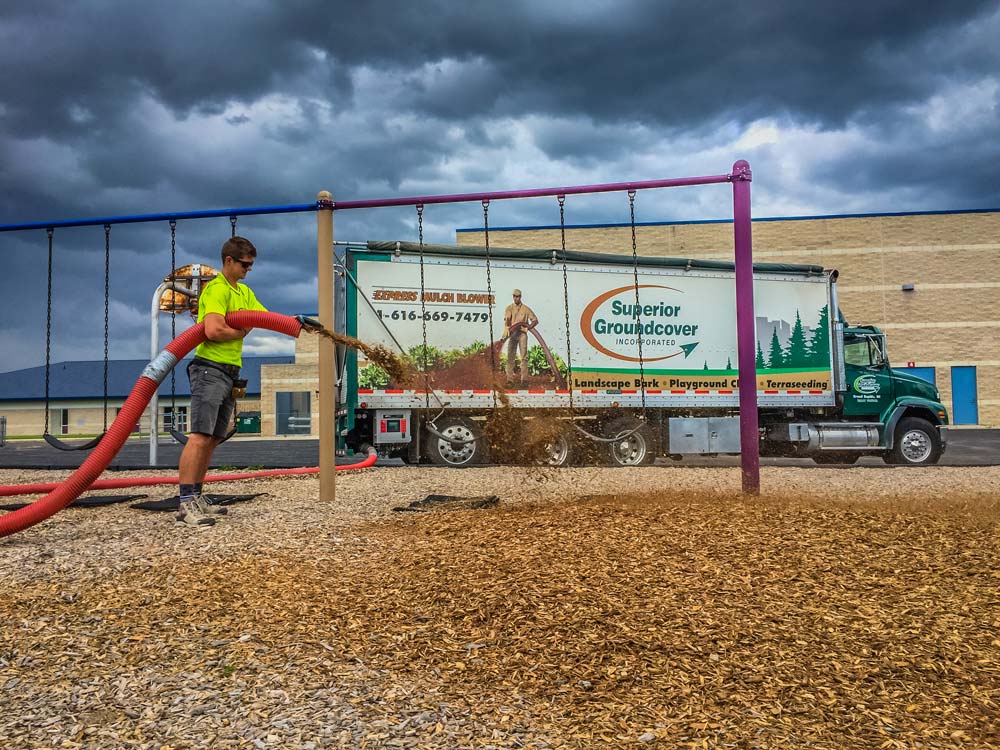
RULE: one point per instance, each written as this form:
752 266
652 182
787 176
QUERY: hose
131 411
118 484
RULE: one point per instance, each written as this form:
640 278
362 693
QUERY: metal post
327 351
154 349
746 329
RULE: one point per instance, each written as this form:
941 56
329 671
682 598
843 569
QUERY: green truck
905 412
635 358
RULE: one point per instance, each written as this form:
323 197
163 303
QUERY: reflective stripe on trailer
591 392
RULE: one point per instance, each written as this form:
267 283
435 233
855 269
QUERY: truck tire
917 443
561 451
837 458
636 449
445 453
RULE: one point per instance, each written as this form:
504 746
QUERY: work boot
209 508
189 513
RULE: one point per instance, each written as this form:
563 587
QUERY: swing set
46 434
325 206
622 432
172 289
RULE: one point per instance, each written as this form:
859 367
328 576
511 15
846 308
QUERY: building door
927 373
964 406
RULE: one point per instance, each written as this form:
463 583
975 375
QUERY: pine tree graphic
759 363
797 354
818 353
775 357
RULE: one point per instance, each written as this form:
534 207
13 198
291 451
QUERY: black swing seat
57 443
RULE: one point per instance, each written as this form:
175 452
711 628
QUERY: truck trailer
634 356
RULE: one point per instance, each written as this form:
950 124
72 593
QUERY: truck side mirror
878 354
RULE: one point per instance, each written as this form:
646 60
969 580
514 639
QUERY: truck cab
906 409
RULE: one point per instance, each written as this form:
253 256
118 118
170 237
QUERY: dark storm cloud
115 108
72 70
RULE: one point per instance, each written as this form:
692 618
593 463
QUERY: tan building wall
85 417
951 318
301 376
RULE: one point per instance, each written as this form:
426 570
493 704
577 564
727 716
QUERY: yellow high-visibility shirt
217 296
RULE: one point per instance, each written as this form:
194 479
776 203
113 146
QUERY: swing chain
489 292
48 333
423 307
173 321
107 294
569 354
232 223
638 319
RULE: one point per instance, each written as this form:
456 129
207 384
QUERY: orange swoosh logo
587 325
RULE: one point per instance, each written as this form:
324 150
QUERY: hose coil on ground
130 413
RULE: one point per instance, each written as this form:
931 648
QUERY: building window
62 419
292 413
181 421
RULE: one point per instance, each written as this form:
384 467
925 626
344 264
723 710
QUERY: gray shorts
212 401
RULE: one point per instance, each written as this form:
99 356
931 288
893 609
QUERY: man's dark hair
238 248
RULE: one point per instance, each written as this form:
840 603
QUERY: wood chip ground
847 608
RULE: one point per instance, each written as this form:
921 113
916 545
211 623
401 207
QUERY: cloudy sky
113 108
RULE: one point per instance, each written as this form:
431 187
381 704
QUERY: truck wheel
832 458
467 452
635 448
560 451
917 443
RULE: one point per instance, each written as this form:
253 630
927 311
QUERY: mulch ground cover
671 621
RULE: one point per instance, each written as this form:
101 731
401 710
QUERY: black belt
231 370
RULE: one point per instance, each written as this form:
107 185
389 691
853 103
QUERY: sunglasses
247 264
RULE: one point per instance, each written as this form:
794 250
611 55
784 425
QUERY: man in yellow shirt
518 319
212 373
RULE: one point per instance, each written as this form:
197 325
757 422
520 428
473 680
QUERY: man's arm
216 329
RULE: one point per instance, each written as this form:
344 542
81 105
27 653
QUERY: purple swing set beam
538 193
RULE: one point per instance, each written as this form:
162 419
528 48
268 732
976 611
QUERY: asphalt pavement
966 447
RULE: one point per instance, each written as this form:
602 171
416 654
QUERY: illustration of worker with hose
518 319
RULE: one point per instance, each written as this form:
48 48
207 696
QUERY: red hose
135 404
118 484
